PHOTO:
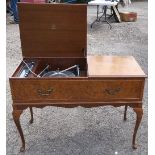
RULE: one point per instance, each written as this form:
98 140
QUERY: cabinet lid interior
53 30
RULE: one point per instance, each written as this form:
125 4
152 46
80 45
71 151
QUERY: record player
56 71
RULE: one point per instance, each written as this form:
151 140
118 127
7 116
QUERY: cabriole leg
139 114
31 112
125 112
16 116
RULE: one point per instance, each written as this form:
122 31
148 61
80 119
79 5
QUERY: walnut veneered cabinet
54 36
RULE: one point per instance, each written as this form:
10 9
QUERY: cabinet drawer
76 90
107 90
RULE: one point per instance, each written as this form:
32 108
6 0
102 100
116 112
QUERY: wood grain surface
113 66
57 30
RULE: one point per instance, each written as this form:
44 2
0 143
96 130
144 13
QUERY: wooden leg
125 112
31 112
139 113
16 116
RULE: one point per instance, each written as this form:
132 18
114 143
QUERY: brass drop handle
111 91
44 92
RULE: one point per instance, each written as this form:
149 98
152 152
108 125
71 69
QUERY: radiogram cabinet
54 36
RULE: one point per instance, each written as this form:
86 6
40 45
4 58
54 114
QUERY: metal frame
98 19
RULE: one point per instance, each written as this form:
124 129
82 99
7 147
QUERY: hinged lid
53 30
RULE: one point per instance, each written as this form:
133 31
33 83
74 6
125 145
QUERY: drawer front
76 90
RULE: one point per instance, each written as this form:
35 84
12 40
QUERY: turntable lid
53 30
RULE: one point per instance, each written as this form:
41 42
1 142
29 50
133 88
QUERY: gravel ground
82 131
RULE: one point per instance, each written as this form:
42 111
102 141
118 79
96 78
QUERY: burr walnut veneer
56 35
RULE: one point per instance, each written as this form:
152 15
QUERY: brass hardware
44 92
111 91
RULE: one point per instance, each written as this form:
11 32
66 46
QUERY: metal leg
109 24
105 13
16 116
97 17
139 113
112 14
105 16
125 112
31 112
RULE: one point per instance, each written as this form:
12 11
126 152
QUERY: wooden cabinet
59 40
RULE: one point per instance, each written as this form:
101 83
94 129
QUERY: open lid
53 30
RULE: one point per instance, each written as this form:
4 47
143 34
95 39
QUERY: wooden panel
113 66
53 30
76 90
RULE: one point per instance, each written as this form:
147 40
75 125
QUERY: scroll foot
134 146
22 149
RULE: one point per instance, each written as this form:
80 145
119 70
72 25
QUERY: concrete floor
80 131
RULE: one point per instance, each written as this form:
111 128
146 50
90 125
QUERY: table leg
139 113
112 14
105 14
16 116
31 112
125 112
97 17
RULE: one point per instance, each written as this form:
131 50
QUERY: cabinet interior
53 64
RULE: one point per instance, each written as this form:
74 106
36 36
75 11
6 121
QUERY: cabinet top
113 66
53 30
